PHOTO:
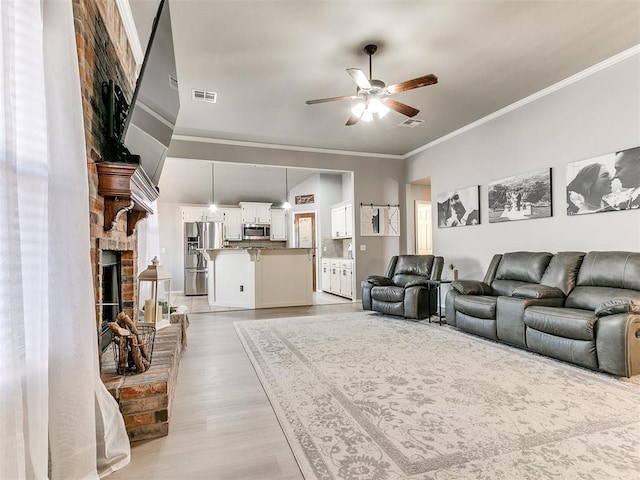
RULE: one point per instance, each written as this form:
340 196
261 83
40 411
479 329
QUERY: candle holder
154 288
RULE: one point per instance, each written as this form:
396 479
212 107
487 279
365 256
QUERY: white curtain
57 420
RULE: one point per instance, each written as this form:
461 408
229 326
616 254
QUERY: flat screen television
145 125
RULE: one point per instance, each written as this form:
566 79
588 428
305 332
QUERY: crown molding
273 146
130 29
635 50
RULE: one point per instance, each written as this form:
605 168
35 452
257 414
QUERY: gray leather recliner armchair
405 290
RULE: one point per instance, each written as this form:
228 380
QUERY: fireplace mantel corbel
125 188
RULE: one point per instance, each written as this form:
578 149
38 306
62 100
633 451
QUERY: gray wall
596 115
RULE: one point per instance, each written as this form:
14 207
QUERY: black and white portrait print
459 208
606 183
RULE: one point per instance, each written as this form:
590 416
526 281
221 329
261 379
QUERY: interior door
423 225
304 225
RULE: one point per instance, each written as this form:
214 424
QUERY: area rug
361 396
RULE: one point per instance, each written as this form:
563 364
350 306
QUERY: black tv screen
155 104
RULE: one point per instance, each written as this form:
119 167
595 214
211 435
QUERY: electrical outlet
242 288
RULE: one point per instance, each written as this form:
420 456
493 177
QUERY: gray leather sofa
404 290
576 307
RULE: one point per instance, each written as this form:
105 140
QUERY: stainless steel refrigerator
199 236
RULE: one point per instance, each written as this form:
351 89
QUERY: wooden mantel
125 188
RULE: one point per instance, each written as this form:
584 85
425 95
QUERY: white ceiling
265 58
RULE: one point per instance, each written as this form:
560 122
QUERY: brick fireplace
119 194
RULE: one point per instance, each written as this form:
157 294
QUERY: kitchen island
260 277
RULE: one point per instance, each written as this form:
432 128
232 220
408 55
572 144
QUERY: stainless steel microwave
251 231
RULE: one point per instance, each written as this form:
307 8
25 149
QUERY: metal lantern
154 287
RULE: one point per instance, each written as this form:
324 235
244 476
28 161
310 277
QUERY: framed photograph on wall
459 208
520 197
604 184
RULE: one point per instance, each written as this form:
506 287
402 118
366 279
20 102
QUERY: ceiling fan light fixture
365 111
376 106
358 109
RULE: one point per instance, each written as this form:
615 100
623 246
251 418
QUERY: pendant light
213 207
286 205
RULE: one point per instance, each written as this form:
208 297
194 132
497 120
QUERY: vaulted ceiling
264 59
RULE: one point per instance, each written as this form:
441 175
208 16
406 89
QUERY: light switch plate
363 248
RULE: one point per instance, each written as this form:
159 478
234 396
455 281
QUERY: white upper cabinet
342 220
278 224
256 212
232 223
194 214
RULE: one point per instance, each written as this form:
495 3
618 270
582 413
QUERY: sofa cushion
479 306
390 293
523 266
471 287
562 271
409 266
379 280
388 308
618 305
537 291
610 269
570 323
506 287
590 298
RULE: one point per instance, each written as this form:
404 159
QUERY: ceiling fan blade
411 84
400 107
359 77
353 119
330 99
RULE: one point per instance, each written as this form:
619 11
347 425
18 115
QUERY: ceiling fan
375 94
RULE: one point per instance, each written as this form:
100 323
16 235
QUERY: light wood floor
222 425
200 304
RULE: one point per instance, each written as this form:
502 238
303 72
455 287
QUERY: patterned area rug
366 397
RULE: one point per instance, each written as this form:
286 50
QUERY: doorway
304 227
423 223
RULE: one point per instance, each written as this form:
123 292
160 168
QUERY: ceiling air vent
173 82
204 96
411 122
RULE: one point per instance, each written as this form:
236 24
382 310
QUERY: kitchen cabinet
334 283
278 224
342 220
337 276
232 217
217 216
256 212
326 275
194 214
346 278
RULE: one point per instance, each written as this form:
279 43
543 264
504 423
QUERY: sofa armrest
379 281
471 287
618 305
423 282
537 291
